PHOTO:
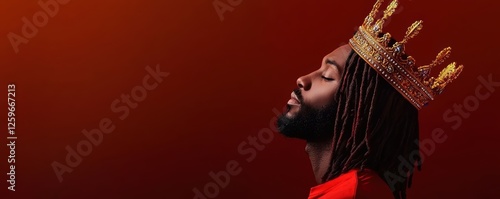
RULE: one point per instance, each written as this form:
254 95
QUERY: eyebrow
332 62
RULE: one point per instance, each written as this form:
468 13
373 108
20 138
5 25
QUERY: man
359 113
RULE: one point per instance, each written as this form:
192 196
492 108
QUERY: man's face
311 108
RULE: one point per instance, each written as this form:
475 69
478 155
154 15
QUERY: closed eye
326 78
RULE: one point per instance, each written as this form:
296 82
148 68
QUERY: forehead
339 55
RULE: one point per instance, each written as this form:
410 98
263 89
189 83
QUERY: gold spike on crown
392 63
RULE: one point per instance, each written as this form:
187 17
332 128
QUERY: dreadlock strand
374 125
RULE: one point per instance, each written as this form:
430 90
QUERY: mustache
298 93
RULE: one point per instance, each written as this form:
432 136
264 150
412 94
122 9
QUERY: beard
310 124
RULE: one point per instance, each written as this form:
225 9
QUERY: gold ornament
392 63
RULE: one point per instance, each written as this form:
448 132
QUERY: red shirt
353 185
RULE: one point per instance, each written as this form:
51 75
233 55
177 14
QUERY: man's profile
359 113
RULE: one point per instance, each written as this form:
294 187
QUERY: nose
304 82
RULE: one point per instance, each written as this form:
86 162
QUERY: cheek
321 95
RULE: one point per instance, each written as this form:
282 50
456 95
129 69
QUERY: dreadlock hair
374 126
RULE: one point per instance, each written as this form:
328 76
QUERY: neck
320 154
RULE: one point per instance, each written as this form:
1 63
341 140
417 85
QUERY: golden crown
392 63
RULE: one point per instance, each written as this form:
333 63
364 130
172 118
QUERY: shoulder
341 187
354 184
371 186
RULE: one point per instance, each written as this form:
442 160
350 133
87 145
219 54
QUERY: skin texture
318 89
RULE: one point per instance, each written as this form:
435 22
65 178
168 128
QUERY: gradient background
225 79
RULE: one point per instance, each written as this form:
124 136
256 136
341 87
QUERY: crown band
380 60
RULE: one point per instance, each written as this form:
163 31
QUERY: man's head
368 123
312 105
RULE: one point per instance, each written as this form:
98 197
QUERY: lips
294 100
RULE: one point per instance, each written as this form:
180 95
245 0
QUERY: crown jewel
391 62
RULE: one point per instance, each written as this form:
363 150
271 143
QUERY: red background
225 79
